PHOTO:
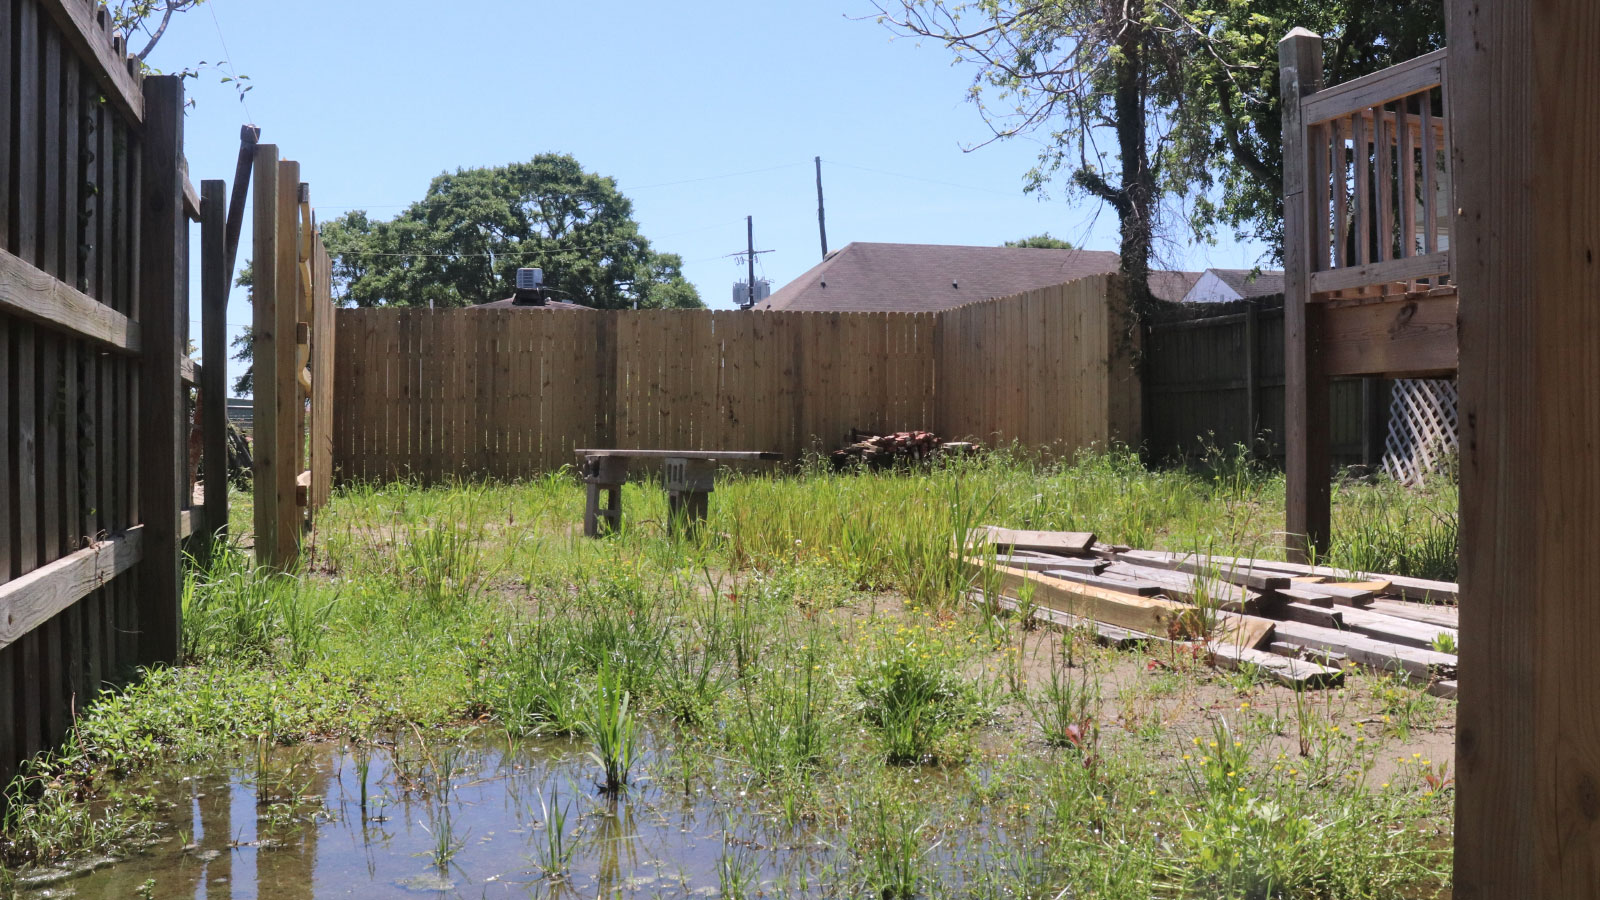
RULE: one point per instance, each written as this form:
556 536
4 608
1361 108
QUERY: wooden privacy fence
94 258
293 332
1218 381
1051 369
512 392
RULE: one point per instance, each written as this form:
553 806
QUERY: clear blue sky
703 112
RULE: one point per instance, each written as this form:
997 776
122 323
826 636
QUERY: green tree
1230 136
1043 242
462 243
1139 104
1098 77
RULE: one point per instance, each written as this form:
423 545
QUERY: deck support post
1525 124
1306 413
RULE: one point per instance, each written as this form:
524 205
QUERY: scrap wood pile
1302 625
878 451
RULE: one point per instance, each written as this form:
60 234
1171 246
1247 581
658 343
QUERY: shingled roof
930 277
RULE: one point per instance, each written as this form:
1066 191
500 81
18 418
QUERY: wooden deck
1368 290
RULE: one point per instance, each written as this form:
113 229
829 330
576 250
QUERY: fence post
1306 412
264 293
1374 419
1252 378
164 307
214 276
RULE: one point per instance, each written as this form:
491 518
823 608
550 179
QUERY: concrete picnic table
689 475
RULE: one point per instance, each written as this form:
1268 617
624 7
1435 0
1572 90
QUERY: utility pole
822 220
750 248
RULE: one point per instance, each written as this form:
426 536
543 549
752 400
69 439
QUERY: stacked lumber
878 451
1303 625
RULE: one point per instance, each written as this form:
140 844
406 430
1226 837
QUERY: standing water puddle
289 823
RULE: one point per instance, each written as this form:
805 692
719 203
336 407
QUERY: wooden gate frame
293 359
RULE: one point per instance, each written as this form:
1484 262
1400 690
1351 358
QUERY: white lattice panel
1422 429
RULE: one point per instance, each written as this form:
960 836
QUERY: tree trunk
1136 211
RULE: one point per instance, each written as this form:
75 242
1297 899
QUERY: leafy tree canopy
1230 132
462 243
1149 107
1043 242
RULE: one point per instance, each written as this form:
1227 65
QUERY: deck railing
1378 181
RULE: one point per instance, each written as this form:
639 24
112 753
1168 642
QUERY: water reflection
289 823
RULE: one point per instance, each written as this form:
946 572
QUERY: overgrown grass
812 641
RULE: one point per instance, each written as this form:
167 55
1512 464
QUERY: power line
967 187
228 61
642 187
519 254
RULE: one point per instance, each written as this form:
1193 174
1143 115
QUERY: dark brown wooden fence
94 256
1218 381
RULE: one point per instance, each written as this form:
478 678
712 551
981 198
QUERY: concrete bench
689 475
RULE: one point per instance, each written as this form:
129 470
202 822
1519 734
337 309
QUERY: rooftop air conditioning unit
530 279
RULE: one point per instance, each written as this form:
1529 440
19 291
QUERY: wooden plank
51 419
324 340
164 312
1311 614
1319 193
32 599
654 454
1376 89
8 89
1407 179
1384 180
113 71
265 292
1340 202
27 120
1189 588
1409 268
1394 339
1110 581
34 294
1041 541
8 434
214 283
1430 162
1147 614
1362 144
1324 594
1196 564
1433 614
1394 629
1415 662
288 439
52 212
